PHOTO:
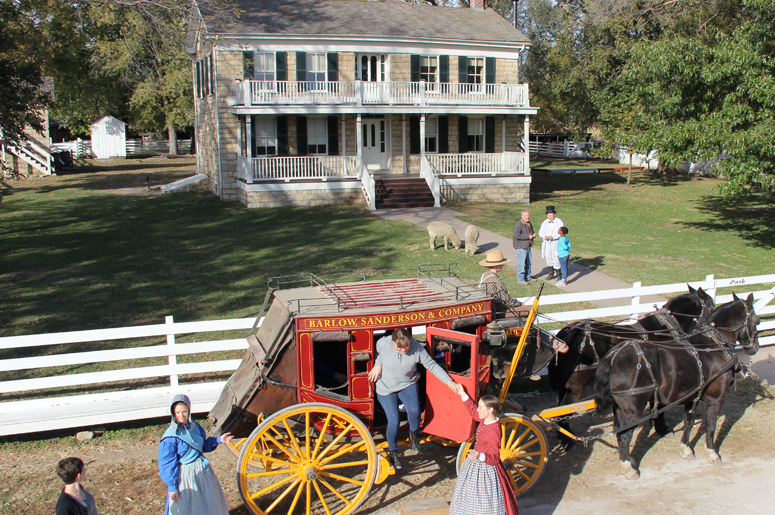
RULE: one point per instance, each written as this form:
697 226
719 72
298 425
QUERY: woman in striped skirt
192 487
483 486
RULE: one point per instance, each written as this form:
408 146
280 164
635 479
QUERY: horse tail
603 398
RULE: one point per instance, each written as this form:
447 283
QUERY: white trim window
475 72
476 134
316 67
431 135
317 136
264 66
265 134
429 71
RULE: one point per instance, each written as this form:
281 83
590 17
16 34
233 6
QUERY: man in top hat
550 233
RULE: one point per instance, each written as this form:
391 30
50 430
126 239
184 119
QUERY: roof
369 297
387 18
98 120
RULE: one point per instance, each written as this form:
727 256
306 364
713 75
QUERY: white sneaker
561 283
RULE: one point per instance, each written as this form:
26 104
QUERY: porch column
526 144
422 140
503 134
405 168
249 145
359 140
344 135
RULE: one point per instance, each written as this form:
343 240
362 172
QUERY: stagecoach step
402 193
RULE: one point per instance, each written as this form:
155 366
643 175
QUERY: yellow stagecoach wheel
236 444
319 459
523 450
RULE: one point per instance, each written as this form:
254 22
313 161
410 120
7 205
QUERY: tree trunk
173 137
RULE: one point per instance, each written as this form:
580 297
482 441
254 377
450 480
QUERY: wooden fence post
173 358
635 301
711 288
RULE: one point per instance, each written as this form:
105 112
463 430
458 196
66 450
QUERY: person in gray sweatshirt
396 375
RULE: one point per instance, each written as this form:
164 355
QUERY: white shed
108 137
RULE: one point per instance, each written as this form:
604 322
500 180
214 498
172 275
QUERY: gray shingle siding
386 18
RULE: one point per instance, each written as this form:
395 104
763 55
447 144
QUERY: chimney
476 5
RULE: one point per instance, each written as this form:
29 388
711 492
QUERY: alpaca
471 236
445 231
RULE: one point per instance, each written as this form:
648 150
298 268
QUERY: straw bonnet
494 258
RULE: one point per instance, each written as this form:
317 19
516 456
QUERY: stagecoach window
330 360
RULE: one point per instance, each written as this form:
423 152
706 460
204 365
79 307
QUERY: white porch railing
296 168
54 411
478 164
368 185
257 93
126 402
432 180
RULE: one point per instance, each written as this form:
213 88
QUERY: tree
704 88
20 72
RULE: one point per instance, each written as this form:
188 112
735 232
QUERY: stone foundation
514 193
300 198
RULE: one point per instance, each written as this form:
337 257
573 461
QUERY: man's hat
494 258
549 209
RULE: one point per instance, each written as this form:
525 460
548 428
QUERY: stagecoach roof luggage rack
427 286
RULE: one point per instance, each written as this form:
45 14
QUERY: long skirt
477 490
199 491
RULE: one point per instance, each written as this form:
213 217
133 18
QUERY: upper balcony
252 93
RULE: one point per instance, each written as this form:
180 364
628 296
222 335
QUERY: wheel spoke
342 478
306 439
527 478
291 437
335 442
309 494
296 498
526 454
282 496
527 464
271 487
320 496
321 436
342 451
348 464
336 492
269 473
294 458
532 441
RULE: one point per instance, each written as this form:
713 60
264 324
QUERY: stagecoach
308 428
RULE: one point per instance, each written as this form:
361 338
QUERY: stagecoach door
445 414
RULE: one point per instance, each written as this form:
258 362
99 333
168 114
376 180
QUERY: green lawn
81 253
662 229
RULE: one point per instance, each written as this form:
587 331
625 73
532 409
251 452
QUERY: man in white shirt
550 233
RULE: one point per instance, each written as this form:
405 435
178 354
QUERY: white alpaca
471 236
445 231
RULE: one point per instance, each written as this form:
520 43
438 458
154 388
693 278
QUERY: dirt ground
123 477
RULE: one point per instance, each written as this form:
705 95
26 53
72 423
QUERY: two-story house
308 102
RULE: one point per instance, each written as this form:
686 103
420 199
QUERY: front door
374 143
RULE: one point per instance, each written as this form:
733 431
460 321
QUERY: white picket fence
30 412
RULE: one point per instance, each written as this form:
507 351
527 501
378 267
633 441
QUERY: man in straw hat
492 285
550 233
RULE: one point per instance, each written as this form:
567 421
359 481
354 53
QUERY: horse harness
721 345
665 318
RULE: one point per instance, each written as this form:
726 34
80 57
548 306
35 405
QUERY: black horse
589 341
637 373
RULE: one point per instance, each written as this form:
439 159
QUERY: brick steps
402 193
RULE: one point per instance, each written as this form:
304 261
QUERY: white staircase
33 153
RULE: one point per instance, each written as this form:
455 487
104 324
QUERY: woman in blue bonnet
191 483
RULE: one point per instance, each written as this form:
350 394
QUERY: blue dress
183 467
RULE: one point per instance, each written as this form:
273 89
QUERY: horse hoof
687 452
713 457
629 470
632 475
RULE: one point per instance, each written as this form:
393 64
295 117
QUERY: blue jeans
564 267
389 403
523 264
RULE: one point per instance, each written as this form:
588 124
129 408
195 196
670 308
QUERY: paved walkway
580 278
